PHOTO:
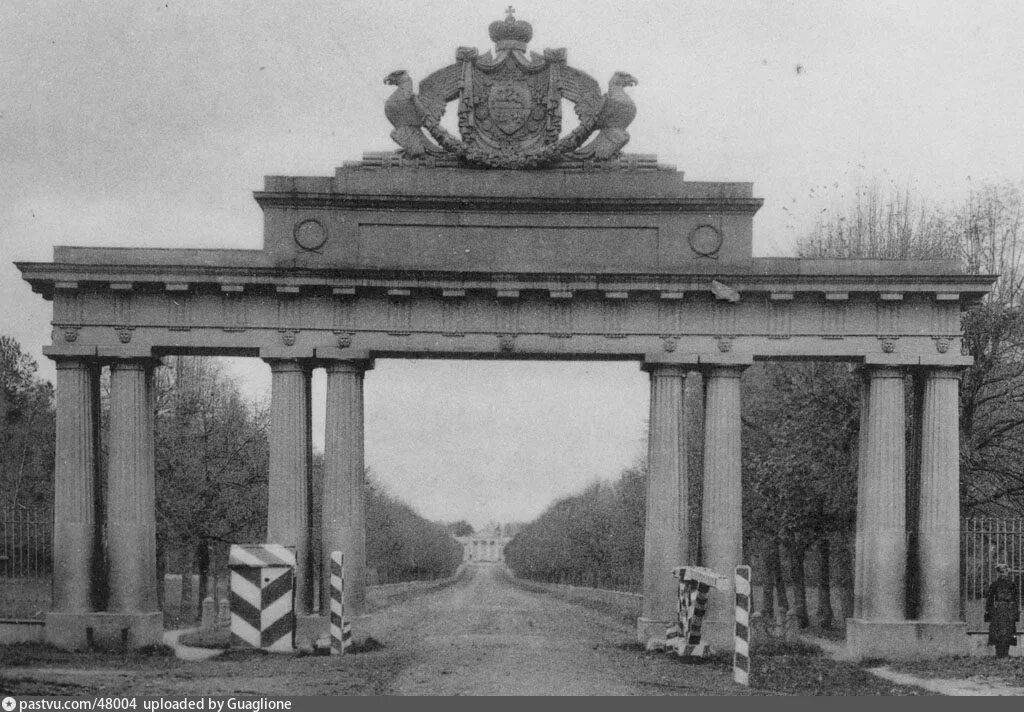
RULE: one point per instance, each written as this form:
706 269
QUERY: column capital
69 351
656 362
872 371
289 365
74 363
337 360
663 370
722 370
131 363
935 372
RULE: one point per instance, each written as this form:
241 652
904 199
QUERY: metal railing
26 542
987 541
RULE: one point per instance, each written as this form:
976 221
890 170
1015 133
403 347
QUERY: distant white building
483 546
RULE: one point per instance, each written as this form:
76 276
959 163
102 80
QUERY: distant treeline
595 538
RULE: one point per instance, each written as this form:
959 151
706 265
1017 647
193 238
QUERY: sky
149 124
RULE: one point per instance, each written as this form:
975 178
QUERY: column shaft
665 545
288 487
859 585
721 518
881 503
131 490
344 519
74 501
939 513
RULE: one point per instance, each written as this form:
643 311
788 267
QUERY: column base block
104 631
904 640
648 630
311 630
719 636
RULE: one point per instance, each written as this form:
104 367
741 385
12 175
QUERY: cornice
531 204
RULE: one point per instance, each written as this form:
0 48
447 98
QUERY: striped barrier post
694 583
341 629
262 596
741 656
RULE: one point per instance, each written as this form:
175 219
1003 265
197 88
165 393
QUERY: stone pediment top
623 162
509 108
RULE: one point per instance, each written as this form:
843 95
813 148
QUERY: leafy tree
460 528
27 433
211 466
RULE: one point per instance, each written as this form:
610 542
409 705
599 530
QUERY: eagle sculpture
403 113
617 112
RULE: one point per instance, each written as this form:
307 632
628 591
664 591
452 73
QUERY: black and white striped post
741 656
341 629
262 596
694 584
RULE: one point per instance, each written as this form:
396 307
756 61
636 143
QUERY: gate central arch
510 242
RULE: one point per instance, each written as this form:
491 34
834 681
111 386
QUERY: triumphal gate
513 240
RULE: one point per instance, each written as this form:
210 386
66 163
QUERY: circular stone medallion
310 235
705 240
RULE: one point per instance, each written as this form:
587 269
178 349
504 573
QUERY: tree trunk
844 571
188 601
203 566
771 571
825 614
796 558
778 579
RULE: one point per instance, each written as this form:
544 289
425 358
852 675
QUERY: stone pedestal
721 519
665 545
879 593
131 491
288 486
104 631
343 499
939 518
74 503
904 640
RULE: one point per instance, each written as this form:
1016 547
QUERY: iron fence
26 543
988 541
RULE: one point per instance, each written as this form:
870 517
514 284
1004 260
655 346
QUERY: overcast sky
147 123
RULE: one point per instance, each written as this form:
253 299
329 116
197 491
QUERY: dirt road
486 637
481 636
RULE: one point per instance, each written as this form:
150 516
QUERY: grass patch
960 667
24 654
215 639
801 669
369 645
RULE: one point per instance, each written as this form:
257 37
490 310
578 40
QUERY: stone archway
576 258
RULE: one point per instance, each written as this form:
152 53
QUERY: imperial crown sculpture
509 106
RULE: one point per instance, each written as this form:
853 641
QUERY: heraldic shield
509 106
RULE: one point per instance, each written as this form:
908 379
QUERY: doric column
344 519
721 516
288 486
881 502
665 545
131 489
939 513
74 486
862 454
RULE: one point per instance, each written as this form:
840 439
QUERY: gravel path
480 636
486 637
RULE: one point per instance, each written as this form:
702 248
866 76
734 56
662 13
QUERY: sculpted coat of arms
510 106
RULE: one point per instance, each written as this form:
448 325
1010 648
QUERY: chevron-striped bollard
341 629
741 656
694 584
262 596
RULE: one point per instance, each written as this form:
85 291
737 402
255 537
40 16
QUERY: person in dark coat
1002 611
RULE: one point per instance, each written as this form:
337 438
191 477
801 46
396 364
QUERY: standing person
1002 611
